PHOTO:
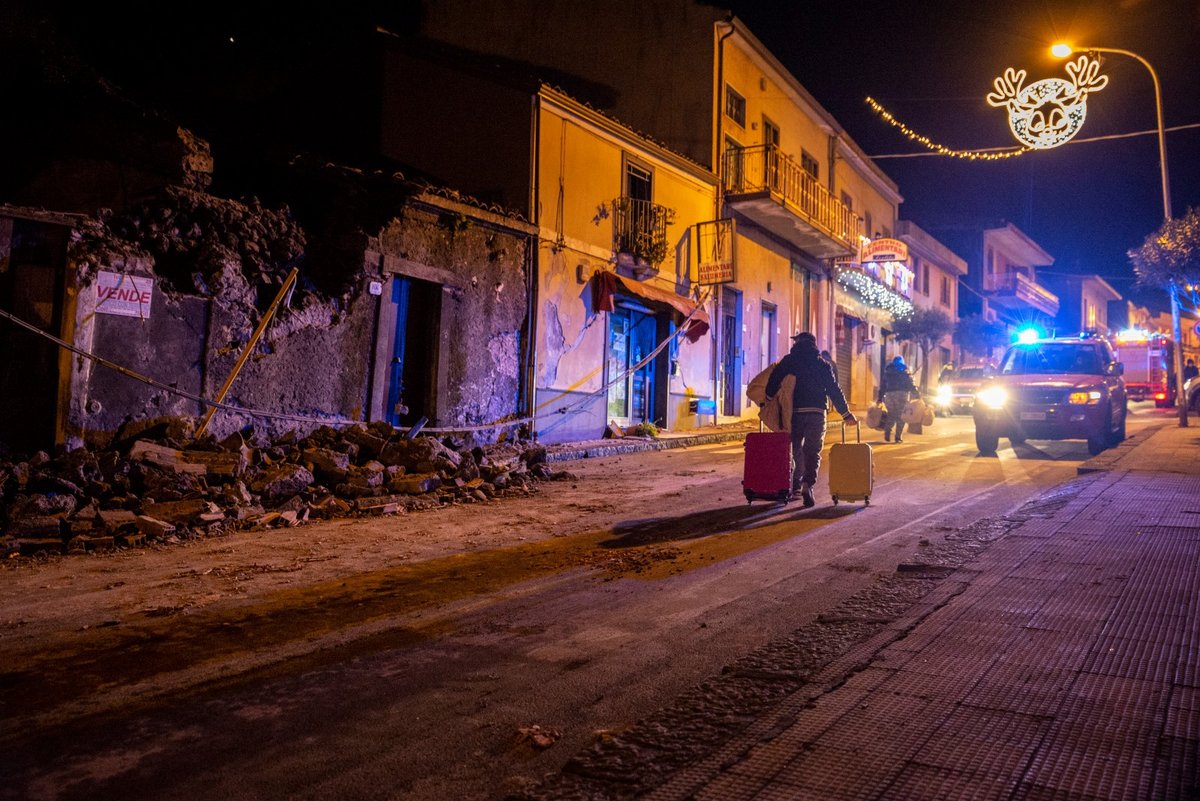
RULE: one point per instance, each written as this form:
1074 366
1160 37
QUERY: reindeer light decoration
1050 112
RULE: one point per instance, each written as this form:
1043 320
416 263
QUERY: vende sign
126 295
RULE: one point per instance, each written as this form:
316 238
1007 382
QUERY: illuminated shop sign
881 250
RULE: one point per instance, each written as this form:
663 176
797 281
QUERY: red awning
608 284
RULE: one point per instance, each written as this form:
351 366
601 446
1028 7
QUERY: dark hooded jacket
896 379
815 381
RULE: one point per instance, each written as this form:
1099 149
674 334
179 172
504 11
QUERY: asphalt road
475 662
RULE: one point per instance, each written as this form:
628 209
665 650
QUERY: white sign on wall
126 295
716 261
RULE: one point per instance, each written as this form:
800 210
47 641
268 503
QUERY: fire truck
1148 359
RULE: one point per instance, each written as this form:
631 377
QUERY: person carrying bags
895 391
816 385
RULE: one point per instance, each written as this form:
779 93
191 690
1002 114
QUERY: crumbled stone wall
313 361
217 265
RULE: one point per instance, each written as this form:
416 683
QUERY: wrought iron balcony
774 191
640 229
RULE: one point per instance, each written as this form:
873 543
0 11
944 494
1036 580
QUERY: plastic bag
876 416
914 412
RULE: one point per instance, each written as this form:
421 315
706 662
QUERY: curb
1111 458
614 447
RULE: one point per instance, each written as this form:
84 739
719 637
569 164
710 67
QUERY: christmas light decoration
1051 111
971 155
874 293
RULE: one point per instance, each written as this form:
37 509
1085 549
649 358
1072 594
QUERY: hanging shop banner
878 250
715 258
124 295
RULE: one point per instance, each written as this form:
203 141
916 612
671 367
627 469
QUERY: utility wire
212 404
1076 141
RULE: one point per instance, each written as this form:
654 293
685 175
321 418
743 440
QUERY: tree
925 327
978 336
1169 259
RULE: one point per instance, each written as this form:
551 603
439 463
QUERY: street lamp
1063 50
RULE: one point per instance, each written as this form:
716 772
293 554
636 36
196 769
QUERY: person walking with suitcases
895 390
816 385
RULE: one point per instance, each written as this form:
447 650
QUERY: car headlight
993 397
1090 398
944 395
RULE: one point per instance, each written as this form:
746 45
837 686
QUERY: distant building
1002 281
1083 303
936 274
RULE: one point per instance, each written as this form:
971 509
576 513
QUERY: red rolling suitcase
851 469
768 471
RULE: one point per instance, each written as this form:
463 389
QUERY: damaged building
132 290
427 324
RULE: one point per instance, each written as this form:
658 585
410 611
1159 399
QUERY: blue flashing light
1028 336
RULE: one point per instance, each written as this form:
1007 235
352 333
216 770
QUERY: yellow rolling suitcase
851 469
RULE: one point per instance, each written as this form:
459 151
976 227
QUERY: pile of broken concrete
157 486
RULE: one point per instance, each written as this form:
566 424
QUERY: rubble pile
156 485
194 236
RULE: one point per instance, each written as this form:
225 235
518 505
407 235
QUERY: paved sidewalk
1062 664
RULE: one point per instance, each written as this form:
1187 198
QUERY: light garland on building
971 155
874 292
1051 111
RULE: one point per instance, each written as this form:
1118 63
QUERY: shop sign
878 250
715 252
123 294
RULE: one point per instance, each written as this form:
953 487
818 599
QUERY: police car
1056 388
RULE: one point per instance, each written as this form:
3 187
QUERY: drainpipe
832 333
528 403
718 168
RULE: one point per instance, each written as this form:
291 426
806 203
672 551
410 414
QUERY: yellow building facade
805 199
622 330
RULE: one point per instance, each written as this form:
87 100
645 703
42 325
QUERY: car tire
1118 436
986 440
1101 440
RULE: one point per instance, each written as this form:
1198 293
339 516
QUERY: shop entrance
731 352
636 395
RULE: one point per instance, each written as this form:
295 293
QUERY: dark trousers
808 437
895 403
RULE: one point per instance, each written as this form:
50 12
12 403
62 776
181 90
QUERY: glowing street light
1063 50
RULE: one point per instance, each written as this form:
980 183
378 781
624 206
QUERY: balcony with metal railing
640 230
1016 290
775 192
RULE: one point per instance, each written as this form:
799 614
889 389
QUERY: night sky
932 63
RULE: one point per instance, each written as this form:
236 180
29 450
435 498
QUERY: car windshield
971 373
1051 357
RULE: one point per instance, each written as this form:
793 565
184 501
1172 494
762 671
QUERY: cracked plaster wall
484 306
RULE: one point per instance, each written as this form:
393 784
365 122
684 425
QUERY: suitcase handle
857 431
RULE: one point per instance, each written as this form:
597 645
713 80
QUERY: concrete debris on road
537 736
157 486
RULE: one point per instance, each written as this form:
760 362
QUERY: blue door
412 377
633 394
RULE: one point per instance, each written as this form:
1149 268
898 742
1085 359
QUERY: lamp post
1063 50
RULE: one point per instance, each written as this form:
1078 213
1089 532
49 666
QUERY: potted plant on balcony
640 233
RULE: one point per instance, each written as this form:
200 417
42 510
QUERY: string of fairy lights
998 154
875 293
